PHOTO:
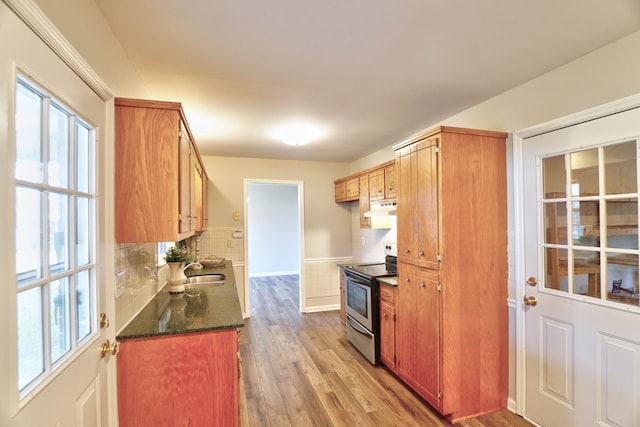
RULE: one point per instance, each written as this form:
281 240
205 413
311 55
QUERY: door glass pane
30 336
584 173
28 234
554 177
586 273
585 223
60 317
620 163
83 159
58 168
29 162
622 223
622 274
556 222
83 304
59 232
556 267
82 231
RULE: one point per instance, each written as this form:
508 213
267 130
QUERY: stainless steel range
362 298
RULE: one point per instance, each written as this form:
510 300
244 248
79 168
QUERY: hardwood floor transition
300 370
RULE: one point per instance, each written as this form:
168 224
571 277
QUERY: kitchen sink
206 278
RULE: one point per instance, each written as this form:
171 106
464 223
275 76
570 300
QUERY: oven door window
358 299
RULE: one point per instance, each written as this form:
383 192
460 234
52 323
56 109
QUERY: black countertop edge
208 308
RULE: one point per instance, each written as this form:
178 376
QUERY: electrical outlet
229 243
364 242
236 216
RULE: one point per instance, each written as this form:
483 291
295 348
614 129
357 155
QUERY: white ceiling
370 72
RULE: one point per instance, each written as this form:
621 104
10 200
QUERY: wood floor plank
300 370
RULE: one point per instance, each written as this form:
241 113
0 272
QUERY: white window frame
77 345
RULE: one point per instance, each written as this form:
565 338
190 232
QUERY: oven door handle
358 328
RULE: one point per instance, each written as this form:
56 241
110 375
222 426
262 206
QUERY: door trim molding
518 139
42 26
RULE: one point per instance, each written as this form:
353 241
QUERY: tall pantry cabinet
452 324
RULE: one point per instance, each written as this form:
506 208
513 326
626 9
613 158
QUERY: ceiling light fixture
296 133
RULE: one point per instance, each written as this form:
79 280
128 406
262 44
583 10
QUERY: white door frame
300 187
518 209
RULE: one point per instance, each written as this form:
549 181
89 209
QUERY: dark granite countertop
204 308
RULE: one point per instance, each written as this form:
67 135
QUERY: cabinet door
353 189
418 331
407 325
390 182
387 326
197 194
179 380
426 203
406 205
364 204
185 181
427 315
340 191
376 185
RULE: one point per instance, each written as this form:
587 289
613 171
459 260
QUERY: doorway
578 270
274 233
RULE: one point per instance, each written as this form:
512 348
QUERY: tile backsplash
138 276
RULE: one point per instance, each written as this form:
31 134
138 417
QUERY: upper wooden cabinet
390 181
156 160
347 189
381 184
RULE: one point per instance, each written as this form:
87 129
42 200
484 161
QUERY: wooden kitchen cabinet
417 210
347 189
179 380
390 181
365 203
452 319
376 184
388 325
343 301
154 172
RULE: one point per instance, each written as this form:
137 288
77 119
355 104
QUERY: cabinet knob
422 285
421 253
406 251
386 294
406 280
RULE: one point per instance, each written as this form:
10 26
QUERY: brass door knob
530 301
108 347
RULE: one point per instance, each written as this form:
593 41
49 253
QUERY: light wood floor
299 370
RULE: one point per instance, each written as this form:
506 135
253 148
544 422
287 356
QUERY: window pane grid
590 237
55 234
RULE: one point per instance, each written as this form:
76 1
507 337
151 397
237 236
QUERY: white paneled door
51 370
581 257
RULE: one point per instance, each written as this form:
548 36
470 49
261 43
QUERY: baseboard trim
320 308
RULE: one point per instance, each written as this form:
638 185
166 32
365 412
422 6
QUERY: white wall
273 229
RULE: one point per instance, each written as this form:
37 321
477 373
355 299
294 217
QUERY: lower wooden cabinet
179 380
388 326
419 324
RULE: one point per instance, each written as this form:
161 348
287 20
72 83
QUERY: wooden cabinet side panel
180 380
474 216
146 180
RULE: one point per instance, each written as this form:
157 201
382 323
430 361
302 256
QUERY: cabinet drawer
388 294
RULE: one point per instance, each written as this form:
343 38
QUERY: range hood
381 209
